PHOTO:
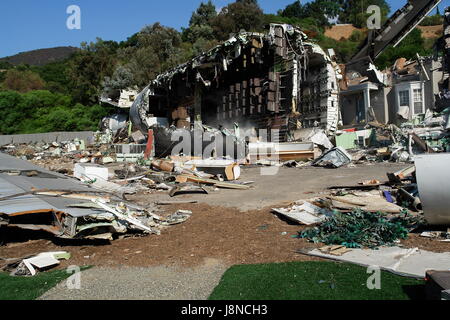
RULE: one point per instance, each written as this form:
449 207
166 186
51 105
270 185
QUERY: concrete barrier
45 137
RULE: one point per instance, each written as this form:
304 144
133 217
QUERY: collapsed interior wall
267 81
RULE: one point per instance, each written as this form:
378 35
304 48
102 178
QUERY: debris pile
373 213
29 266
126 168
60 156
369 196
359 229
37 199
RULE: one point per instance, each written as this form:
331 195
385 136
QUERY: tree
200 24
203 15
434 20
241 15
203 45
355 11
22 81
319 10
293 10
144 65
44 111
155 49
130 42
196 32
121 79
55 76
323 10
4 65
165 43
89 67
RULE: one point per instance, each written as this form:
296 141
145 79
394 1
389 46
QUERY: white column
424 107
367 102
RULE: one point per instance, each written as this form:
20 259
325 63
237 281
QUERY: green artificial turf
312 280
30 288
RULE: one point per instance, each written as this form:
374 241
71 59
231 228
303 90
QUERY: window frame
418 93
400 97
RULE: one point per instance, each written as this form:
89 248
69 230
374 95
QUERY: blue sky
30 24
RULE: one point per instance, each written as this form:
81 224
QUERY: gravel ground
151 283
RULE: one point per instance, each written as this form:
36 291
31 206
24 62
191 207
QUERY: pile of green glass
359 229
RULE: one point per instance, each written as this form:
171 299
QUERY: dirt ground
227 234
231 226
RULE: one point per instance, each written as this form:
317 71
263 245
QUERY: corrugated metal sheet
13 184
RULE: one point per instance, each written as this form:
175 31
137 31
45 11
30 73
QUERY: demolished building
281 81
370 95
406 90
257 90
276 80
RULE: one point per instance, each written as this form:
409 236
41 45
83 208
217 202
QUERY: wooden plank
168 203
225 185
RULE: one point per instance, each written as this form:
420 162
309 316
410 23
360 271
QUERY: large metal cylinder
433 180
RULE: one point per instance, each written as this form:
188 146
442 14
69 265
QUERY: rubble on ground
29 266
374 213
34 198
359 229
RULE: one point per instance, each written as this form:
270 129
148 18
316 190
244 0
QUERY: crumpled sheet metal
12 185
57 205
335 158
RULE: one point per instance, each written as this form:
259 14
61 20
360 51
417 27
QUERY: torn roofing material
43 180
33 198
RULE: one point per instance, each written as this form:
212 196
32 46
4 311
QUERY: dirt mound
339 31
431 32
344 31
